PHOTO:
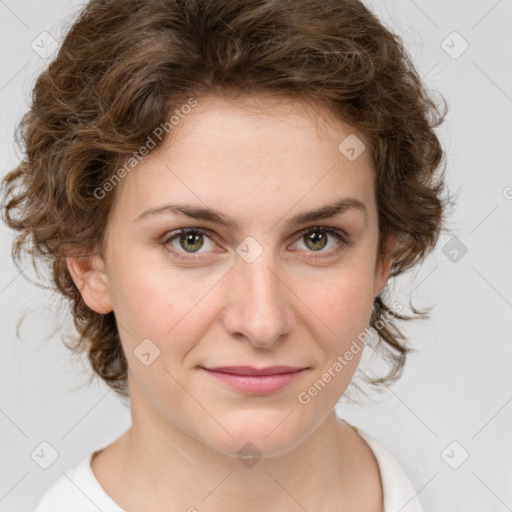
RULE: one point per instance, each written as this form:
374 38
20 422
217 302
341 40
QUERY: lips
255 381
249 370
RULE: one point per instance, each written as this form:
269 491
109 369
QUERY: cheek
343 301
342 309
160 304
143 303
140 302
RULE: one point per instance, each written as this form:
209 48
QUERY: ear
384 264
89 276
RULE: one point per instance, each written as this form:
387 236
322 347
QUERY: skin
260 162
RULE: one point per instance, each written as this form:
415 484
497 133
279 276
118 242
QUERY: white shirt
80 491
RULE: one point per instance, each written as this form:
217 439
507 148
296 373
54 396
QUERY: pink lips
256 381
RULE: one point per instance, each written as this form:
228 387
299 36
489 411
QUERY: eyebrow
206 214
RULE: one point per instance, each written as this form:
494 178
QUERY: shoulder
77 489
398 491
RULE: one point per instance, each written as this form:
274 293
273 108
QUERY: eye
317 238
192 240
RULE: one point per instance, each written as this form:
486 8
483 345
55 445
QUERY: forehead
255 153
236 118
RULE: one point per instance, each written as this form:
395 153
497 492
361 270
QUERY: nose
259 304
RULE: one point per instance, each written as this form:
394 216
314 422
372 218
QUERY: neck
161 467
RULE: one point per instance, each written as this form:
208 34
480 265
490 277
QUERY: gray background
456 388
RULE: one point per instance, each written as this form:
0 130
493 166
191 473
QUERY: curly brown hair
124 65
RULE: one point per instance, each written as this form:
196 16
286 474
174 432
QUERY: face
268 288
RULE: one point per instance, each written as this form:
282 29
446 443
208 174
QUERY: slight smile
256 381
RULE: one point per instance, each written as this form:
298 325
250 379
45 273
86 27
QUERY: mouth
249 370
256 381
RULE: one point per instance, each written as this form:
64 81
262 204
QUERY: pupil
315 237
190 237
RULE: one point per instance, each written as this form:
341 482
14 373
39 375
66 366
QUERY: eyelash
345 241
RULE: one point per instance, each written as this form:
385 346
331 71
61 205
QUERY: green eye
192 240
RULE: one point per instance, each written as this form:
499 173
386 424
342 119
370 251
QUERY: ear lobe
385 263
88 274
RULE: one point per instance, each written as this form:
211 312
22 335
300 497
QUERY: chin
254 435
248 448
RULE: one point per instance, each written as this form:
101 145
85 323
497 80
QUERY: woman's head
259 286
259 110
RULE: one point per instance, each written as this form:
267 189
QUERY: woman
223 189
